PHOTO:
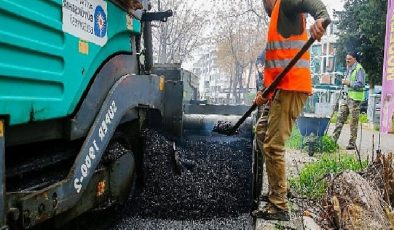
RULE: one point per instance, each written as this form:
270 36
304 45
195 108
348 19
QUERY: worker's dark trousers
261 129
345 107
284 109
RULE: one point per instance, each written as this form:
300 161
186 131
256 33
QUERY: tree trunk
235 84
249 76
356 204
240 91
231 84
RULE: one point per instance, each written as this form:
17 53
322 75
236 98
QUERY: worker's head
269 6
351 58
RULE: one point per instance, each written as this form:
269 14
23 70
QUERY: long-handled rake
226 129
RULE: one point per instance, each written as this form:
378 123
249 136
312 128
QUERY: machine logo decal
86 20
85 169
100 22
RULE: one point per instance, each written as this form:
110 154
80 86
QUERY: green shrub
295 139
311 182
363 118
329 145
295 142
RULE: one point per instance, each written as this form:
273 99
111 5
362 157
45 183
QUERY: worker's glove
259 99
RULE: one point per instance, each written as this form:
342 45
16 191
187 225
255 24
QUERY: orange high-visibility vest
280 51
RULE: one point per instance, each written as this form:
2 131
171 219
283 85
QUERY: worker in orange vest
287 34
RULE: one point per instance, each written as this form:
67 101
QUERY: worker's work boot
350 146
271 212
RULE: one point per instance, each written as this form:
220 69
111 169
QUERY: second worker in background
287 34
353 95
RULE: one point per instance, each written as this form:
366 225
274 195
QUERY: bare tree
181 34
241 35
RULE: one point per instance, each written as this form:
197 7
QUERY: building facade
214 85
325 67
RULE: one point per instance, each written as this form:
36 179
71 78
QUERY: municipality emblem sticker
100 22
86 20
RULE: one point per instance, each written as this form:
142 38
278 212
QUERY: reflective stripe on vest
279 53
275 45
357 95
284 63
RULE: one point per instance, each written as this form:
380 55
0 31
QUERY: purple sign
387 103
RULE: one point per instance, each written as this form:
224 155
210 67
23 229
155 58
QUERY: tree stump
360 205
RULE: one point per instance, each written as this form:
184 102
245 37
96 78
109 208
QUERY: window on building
315 65
333 49
340 67
316 50
331 64
324 51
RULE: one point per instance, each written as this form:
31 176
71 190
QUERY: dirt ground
368 139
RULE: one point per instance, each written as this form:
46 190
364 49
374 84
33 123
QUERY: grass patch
311 182
295 142
329 145
295 139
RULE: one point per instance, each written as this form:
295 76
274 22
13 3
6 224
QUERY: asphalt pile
215 191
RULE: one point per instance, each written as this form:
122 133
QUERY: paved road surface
386 140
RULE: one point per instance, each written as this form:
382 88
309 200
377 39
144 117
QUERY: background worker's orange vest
280 51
